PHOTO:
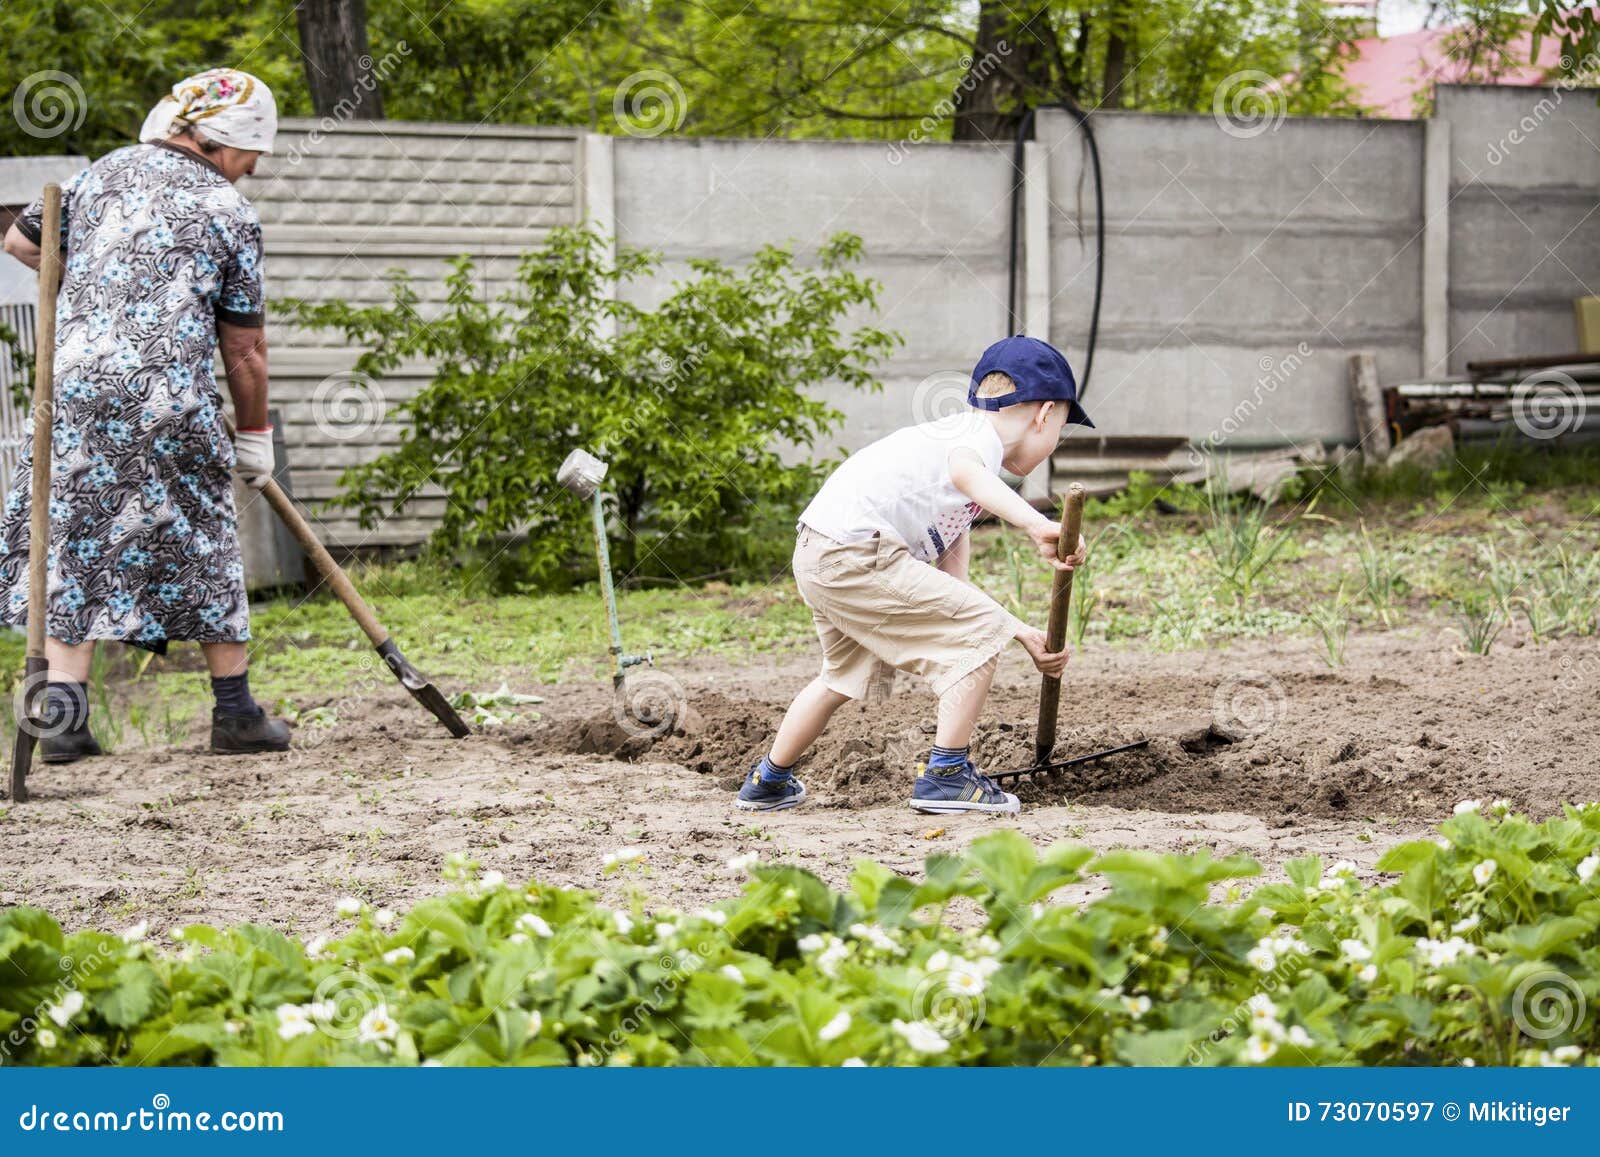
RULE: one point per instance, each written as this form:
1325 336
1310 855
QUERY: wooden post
1372 420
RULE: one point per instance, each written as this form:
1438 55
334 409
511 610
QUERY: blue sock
232 693
946 760
771 772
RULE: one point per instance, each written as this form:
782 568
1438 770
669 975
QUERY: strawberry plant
1481 948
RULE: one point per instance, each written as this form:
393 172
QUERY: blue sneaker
765 795
962 789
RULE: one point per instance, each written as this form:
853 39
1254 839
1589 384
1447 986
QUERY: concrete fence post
1436 247
597 204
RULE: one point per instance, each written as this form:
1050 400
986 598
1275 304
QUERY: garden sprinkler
582 474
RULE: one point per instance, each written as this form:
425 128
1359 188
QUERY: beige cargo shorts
877 608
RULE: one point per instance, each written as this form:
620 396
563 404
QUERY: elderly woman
162 266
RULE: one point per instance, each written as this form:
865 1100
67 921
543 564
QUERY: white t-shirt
900 486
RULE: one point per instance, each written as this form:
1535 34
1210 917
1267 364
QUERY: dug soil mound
870 753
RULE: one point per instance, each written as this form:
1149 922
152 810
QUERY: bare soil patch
1255 749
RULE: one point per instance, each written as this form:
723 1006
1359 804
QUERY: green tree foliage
888 69
689 402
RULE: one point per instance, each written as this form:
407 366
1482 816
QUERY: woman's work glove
252 451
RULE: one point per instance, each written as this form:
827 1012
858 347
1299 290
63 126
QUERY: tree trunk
338 65
1116 65
1010 70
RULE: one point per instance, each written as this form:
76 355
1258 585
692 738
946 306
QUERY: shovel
333 574
36 669
1056 637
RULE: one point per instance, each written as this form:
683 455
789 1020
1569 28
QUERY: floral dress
159 247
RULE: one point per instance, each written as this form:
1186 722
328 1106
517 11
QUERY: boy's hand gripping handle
1056 633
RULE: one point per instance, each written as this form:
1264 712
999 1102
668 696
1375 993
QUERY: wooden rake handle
1056 632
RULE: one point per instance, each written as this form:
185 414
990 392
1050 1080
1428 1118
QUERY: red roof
1388 73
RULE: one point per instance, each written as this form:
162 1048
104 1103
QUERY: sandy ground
1258 749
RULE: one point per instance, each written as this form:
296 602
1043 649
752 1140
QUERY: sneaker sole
956 807
781 805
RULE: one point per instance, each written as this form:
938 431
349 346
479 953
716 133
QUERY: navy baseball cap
1040 371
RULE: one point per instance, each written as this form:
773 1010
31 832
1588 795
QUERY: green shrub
1483 950
689 402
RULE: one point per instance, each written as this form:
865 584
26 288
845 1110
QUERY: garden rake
1056 635
36 668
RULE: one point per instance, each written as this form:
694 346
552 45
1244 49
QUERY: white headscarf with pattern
228 106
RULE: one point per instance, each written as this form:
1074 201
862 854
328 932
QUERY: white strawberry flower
492 880
1355 951
1262 1009
518 938
665 931
293 1022
732 973
383 917
853 1063
1136 1006
1299 1037
1588 866
348 907
1484 872
1260 1049
1566 1054
45 1038
1466 923
1468 805
530 922
712 916
742 864
1500 807
811 943
137 933
1261 957
1367 974
623 922
621 857
835 1028
401 955
921 1036
378 1028
71 1004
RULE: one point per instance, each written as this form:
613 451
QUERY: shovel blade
423 691
21 763
30 710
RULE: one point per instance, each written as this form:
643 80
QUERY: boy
882 557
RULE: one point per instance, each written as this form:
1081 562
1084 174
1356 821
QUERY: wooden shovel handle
332 573
44 375
1056 632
